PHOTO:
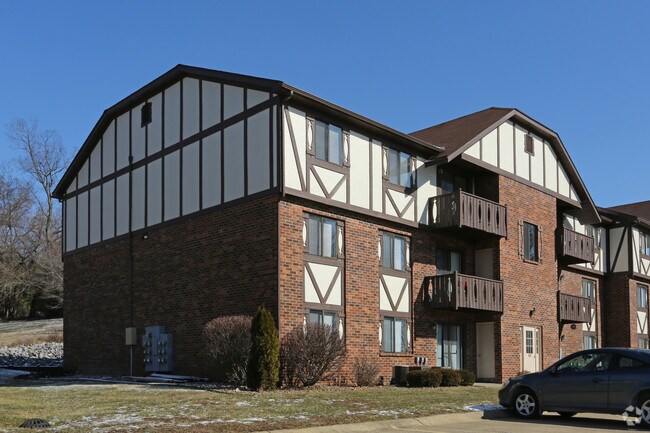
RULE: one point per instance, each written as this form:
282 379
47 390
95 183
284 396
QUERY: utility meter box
157 349
131 336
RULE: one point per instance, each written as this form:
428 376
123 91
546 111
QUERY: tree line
31 270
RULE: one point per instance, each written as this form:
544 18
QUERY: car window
587 362
625 362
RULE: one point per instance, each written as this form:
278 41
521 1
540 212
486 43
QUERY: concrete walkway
497 421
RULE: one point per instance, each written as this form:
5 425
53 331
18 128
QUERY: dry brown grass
22 333
122 408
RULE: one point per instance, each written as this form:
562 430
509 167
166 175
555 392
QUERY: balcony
573 309
576 247
457 291
460 209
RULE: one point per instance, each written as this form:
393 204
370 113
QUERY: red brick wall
530 288
621 321
222 262
362 286
571 283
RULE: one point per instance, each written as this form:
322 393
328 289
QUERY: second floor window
642 296
328 143
531 242
393 254
322 236
399 171
644 243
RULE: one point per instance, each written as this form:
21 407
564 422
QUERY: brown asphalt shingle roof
456 133
640 209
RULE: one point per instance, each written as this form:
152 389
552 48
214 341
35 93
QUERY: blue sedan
607 380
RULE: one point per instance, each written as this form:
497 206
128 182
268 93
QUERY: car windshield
585 363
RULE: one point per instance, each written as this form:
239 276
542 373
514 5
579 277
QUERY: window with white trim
642 296
394 335
531 242
321 236
328 142
644 243
393 251
323 317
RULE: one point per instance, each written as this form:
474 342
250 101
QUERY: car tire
643 403
567 414
525 404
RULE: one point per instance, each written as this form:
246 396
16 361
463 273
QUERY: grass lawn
26 332
74 407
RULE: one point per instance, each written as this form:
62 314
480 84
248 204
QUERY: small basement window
529 144
145 115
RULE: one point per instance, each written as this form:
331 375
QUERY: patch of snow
483 407
244 404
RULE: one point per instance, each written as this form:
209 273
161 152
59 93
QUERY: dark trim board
180 145
262 194
349 207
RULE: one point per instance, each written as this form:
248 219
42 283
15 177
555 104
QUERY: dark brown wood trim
148 229
314 283
294 146
177 146
331 261
520 180
338 309
245 144
349 207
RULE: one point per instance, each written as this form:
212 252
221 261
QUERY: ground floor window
322 317
394 335
590 342
643 343
449 353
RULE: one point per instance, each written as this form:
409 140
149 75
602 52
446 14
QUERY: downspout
280 175
131 257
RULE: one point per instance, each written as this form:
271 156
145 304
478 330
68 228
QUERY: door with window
531 353
449 353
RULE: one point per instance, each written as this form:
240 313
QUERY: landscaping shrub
264 360
310 354
365 371
467 378
227 342
450 377
424 378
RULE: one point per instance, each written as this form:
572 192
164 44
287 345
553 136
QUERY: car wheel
526 404
567 414
644 405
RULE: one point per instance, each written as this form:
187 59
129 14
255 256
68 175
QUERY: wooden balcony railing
577 247
460 209
573 309
455 291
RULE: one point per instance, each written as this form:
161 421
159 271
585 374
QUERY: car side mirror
553 371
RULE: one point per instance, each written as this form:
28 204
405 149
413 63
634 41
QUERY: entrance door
530 349
485 350
484 260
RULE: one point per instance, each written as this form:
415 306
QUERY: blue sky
580 67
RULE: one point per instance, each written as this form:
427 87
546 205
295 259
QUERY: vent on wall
145 115
529 144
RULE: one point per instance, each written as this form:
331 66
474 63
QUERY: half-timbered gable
189 141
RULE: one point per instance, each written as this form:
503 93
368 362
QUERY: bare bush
311 354
227 342
365 371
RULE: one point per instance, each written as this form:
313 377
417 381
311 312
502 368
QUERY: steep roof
457 135
454 134
274 86
640 209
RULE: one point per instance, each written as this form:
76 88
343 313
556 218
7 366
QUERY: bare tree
43 157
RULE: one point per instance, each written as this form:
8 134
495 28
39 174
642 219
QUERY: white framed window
322 236
589 342
589 289
449 346
394 335
642 296
323 317
643 343
328 142
399 170
393 251
644 243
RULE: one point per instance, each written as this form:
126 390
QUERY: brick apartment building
473 243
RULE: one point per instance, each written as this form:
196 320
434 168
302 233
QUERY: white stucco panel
359 170
489 148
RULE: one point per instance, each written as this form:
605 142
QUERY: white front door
530 349
485 350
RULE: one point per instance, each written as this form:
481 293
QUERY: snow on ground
483 407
